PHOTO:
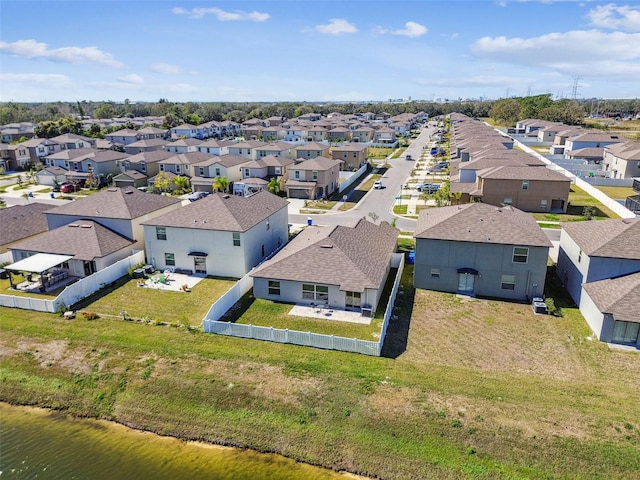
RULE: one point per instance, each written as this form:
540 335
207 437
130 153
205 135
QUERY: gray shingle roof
84 239
481 223
223 212
123 203
22 221
618 296
508 172
354 258
618 238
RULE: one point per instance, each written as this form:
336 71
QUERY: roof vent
85 226
74 225
326 246
129 192
112 190
225 196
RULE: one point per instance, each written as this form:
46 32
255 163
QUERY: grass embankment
617 193
468 389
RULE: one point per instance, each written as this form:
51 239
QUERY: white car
378 185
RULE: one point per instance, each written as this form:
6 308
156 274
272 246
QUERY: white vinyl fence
349 181
77 291
6 257
329 342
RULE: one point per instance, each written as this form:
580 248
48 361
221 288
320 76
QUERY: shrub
552 309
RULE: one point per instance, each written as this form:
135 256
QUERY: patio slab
329 314
174 283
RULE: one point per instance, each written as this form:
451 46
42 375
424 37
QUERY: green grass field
466 389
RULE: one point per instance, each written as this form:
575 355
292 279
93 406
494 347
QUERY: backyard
466 389
187 308
578 201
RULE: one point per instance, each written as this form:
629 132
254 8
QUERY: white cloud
132 78
74 55
223 15
336 26
166 68
624 17
591 52
411 30
49 79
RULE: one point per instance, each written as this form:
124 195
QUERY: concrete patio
323 313
170 281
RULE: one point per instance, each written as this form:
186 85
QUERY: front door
465 283
200 264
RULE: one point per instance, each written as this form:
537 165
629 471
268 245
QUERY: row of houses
484 167
608 154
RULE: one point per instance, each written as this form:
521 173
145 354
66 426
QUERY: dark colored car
428 187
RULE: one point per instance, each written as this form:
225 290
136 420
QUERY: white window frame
170 259
525 185
311 291
435 273
523 253
236 239
508 282
161 233
273 287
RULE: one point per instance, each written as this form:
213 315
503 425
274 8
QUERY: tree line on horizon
55 118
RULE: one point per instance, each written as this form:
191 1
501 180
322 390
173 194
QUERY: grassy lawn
466 389
320 204
187 308
378 153
578 199
549 225
399 152
617 193
273 314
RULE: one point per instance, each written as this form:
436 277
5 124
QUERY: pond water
44 444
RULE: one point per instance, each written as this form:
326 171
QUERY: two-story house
352 155
228 166
313 179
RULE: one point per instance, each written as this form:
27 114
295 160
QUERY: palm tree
221 184
274 185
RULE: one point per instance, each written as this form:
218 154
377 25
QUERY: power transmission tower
575 86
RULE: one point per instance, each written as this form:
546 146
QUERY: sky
317 51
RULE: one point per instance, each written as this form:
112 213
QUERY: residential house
591 139
215 147
130 178
181 164
353 155
273 133
313 179
479 249
257 174
310 150
82 161
145 162
251 132
186 130
384 135
150 145
184 145
121 210
69 141
280 149
15 131
316 133
39 148
532 189
51 176
205 172
296 132
622 160
123 137
339 134
14 157
597 250
340 267
362 134
92 246
21 222
245 149
149 133
221 235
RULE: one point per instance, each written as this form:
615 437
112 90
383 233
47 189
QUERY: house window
314 175
508 201
169 259
625 332
297 174
246 172
435 273
579 255
278 170
508 282
161 233
525 184
236 239
162 168
217 172
274 287
315 292
177 168
201 171
543 204
520 254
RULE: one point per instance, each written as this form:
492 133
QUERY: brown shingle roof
354 258
523 173
84 239
224 212
22 221
618 296
619 238
123 203
480 223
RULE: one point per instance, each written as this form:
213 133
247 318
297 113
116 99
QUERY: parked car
197 196
378 185
428 187
69 187
408 157
433 151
